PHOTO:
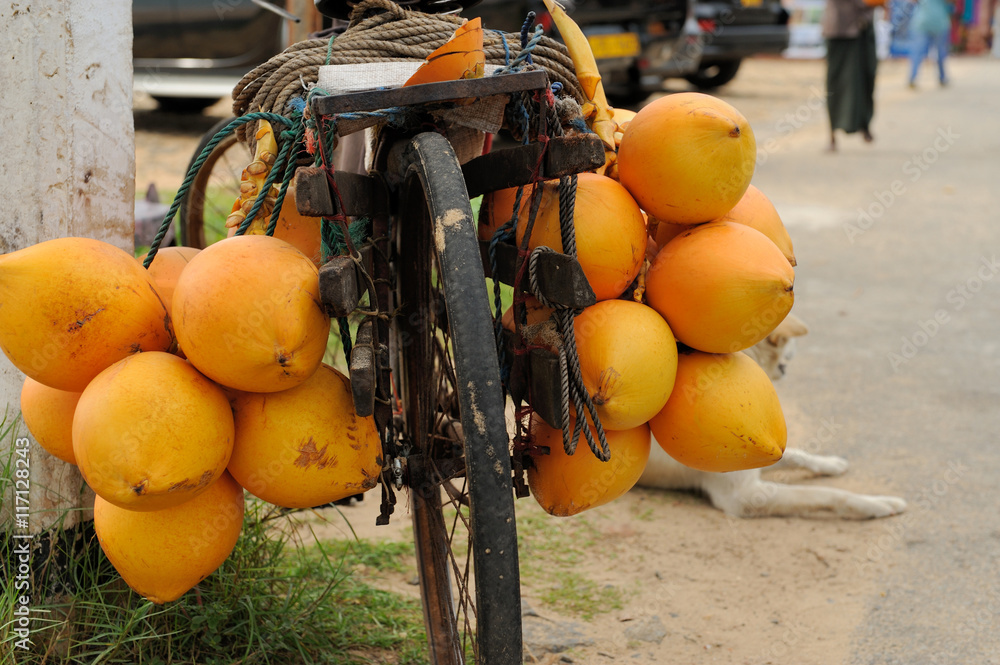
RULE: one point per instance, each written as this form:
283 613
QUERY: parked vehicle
188 54
734 30
637 43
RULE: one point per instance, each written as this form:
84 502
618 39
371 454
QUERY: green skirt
850 81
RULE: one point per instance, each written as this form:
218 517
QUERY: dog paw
885 506
829 465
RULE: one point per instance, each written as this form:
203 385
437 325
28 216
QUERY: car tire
714 75
184 104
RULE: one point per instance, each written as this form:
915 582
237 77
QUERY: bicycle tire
444 339
215 187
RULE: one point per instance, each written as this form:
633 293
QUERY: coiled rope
382 31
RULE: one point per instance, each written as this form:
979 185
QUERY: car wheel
715 75
184 104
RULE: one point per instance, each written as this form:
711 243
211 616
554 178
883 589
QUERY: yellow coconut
162 554
610 229
305 446
166 267
687 157
722 287
723 415
248 315
48 414
150 432
73 306
756 211
628 358
565 485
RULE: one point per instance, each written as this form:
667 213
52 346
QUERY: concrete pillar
67 161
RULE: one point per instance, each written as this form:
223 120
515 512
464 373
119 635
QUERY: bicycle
424 362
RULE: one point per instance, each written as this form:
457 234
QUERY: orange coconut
565 485
73 306
166 268
610 230
162 554
48 414
723 415
305 446
756 211
150 432
664 232
628 358
687 158
248 315
722 287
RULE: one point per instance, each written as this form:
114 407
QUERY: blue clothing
921 45
932 17
930 27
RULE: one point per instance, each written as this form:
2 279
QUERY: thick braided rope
380 31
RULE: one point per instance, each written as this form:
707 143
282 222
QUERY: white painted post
67 164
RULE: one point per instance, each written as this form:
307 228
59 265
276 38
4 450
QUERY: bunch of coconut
174 388
678 218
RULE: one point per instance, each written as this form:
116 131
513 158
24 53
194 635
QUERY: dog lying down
744 493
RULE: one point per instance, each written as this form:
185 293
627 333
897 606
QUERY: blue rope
506 46
504 233
524 55
528 20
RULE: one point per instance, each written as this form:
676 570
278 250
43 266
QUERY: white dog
743 493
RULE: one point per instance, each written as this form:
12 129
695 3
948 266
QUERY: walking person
851 61
930 27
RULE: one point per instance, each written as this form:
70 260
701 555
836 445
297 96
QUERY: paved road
899 253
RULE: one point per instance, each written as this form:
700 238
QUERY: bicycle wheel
210 199
447 376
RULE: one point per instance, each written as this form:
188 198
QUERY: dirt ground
752 592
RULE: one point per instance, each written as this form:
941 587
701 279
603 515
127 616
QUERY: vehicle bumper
731 42
186 84
672 59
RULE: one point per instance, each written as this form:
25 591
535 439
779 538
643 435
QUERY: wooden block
339 287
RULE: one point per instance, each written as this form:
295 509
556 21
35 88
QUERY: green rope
273 118
272 175
295 139
333 237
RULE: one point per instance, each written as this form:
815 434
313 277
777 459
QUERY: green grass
549 548
580 595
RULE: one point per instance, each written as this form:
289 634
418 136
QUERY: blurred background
189 54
